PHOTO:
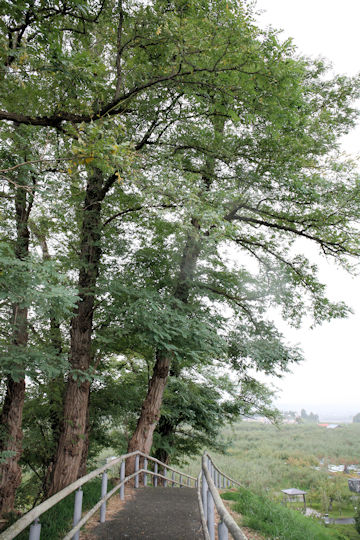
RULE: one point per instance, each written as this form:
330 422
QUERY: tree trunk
11 419
71 442
166 430
150 411
85 450
11 416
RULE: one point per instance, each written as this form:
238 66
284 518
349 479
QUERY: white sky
328 381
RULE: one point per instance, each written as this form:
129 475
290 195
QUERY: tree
310 418
194 412
193 120
356 418
27 286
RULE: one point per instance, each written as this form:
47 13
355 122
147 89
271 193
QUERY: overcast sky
329 380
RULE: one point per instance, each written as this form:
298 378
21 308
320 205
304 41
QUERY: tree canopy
159 163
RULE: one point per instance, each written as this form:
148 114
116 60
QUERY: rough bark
71 442
11 416
150 411
11 419
142 437
85 450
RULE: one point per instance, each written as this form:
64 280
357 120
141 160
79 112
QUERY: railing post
173 479
103 493
77 511
122 478
210 515
223 532
155 477
137 460
188 481
165 474
35 530
180 480
145 475
204 488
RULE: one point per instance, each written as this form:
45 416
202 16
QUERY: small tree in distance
356 418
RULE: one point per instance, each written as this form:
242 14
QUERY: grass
57 521
336 512
267 459
348 531
276 521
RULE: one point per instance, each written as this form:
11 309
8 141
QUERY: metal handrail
201 508
222 473
91 512
32 516
211 497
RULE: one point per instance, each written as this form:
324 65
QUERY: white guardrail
210 480
32 517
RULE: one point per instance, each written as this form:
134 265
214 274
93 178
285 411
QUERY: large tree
28 286
190 111
46 50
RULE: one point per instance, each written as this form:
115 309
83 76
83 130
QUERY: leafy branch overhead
165 167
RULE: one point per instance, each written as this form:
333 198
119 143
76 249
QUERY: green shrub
275 521
57 521
348 531
357 520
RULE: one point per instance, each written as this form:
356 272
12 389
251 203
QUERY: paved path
155 514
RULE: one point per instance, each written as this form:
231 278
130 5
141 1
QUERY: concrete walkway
155 514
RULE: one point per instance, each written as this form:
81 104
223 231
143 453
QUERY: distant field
265 456
267 459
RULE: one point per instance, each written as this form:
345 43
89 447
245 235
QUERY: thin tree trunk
150 411
56 385
166 430
11 416
71 442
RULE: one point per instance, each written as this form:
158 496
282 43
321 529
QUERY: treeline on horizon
159 161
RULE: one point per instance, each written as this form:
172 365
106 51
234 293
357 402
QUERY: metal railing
212 479
32 517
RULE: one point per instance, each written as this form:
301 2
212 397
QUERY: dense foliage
267 459
159 162
275 521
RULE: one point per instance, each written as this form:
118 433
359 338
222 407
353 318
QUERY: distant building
330 426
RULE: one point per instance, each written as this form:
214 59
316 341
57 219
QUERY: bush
357 520
57 521
276 521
